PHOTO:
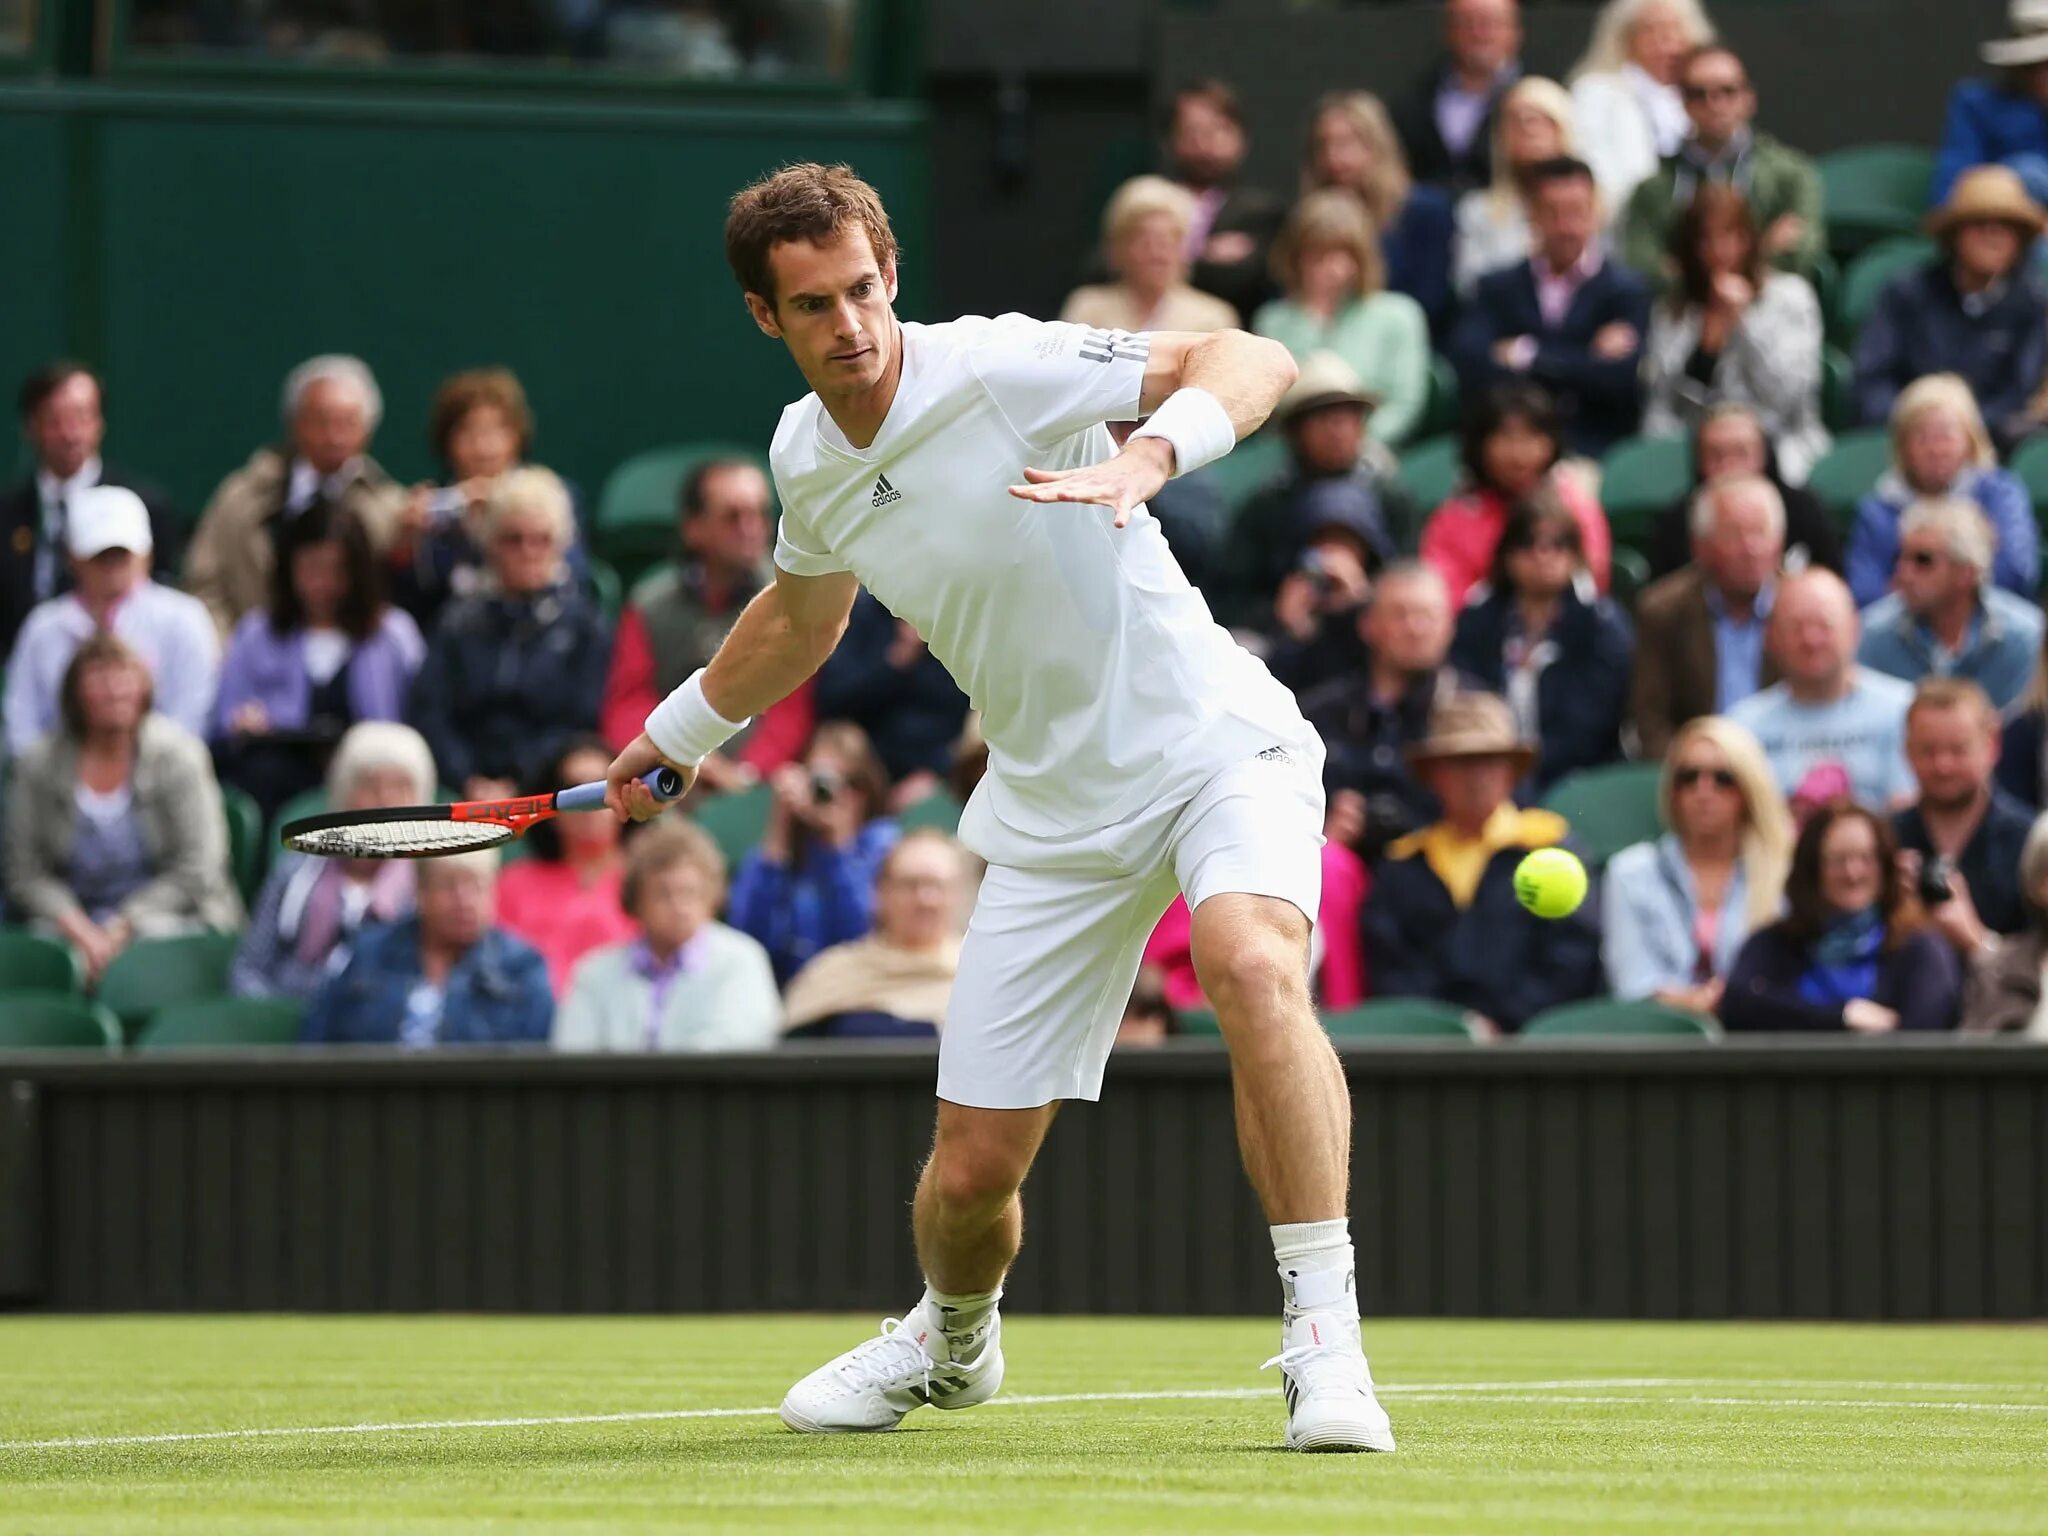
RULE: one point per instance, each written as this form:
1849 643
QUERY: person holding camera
1960 843
811 882
1313 634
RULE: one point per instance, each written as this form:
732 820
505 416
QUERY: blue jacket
1417 247
827 899
1986 125
1649 905
497 993
1600 398
1918 326
1581 696
912 714
1873 551
1998 655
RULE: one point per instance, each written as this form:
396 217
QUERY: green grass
1504 1427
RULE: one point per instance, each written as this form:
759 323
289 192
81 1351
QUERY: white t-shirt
1864 731
1105 686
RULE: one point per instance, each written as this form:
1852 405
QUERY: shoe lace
1327 1364
893 1358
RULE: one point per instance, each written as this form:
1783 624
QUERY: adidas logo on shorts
885 492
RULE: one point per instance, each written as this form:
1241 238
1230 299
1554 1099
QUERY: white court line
1499 1391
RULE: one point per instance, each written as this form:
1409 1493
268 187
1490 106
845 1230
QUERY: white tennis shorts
1051 954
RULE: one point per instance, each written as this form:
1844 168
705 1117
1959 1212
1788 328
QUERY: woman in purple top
325 652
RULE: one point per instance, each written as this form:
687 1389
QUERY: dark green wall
196 243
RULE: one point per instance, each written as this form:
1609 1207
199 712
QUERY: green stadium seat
1400 1017
1610 1016
605 585
1837 390
938 809
154 973
1441 414
1872 192
2030 464
247 853
735 821
1629 574
1199 1021
1866 278
1640 477
223 1021
1609 808
1249 468
1847 471
33 962
32 1021
635 523
1429 473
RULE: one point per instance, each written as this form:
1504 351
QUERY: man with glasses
1781 186
1943 616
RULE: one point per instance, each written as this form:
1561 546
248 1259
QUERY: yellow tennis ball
1551 882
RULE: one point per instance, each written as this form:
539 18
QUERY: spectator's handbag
431 831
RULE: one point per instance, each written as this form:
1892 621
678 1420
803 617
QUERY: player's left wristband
1195 423
685 728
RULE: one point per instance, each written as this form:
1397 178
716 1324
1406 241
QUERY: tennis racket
431 831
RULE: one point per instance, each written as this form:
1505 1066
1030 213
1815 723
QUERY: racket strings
398 839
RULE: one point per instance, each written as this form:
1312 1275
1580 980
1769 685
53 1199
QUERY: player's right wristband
686 728
1194 421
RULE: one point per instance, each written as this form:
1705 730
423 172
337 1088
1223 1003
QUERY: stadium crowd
1848 702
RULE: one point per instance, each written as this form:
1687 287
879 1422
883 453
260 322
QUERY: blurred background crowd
1648 488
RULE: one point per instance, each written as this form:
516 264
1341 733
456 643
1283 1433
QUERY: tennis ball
1551 882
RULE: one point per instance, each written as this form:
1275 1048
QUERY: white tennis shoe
910 1363
1328 1386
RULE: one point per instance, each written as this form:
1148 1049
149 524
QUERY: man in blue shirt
1943 617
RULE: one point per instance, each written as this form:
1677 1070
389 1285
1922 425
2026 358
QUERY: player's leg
968 1217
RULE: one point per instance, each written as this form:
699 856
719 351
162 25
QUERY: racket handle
666 783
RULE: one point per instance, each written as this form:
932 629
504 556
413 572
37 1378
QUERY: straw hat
1984 193
1325 379
1472 724
2029 42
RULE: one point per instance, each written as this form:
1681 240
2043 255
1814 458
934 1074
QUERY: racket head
404 832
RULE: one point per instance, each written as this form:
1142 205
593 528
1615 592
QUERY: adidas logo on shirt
885 492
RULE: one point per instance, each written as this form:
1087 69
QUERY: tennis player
965 473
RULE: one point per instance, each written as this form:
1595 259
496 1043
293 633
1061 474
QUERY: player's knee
965 1178
1258 978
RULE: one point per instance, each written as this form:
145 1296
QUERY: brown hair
865 774
661 848
1807 915
1953 693
100 648
1219 96
1711 206
467 391
808 202
1387 180
1543 510
1321 220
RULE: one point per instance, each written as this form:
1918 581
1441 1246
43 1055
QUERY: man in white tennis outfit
966 475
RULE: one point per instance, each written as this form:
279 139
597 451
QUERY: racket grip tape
666 783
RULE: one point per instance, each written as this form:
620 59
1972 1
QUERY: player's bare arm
780 639
1245 374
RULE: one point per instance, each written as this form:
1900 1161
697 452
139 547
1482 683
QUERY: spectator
1447 121
1314 630
1780 186
108 532
1148 1018
897 979
1145 238
1352 148
1534 127
1700 631
1334 278
884 679
1625 89
1853 951
681 981
1322 416
1731 329
1511 446
2003 991
480 428
1539 636
324 652
114 825
1826 712
1730 440
1974 310
311 910
1944 618
678 614
1371 716
331 408
443 976
1962 840
516 669
62 422
1566 318
1442 920
811 882
2022 765
1234 223
565 896
2003 121
1677 910
1940 448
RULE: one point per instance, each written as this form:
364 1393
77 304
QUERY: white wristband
686 728
1194 421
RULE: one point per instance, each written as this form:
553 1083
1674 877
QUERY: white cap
107 517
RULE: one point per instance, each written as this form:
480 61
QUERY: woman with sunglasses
1539 635
1675 912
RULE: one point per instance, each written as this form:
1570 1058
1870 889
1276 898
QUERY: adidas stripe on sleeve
1052 379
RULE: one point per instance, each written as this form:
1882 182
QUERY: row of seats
1419 1018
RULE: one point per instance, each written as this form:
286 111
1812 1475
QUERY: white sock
960 1315
1318 1272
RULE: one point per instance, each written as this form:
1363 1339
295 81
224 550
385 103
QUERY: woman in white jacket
1625 91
